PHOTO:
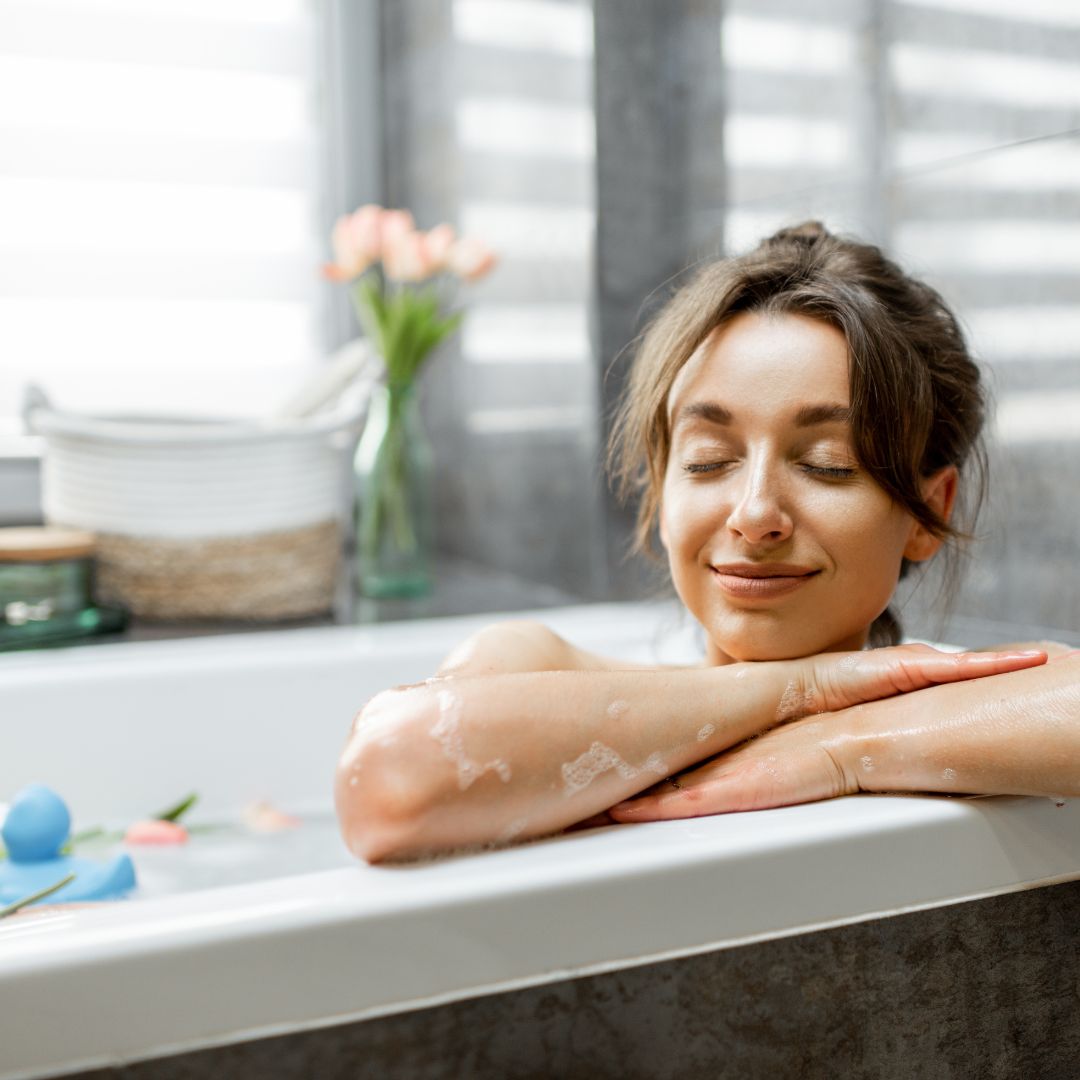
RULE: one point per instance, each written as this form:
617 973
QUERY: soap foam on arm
516 755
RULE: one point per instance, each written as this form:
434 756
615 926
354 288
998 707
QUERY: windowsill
461 588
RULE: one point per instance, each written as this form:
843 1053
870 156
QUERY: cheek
686 522
870 538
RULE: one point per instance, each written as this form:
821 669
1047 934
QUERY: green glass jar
46 588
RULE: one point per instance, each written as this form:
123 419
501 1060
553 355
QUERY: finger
860 677
691 800
933 668
744 780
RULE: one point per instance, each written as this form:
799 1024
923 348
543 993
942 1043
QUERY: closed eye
834 472
705 467
829 470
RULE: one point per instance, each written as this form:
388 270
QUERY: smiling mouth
762 582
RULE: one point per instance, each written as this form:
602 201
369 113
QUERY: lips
764 570
762 581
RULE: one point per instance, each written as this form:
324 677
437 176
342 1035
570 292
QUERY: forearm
470 760
1017 733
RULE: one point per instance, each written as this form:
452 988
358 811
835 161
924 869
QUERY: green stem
389 505
174 813
33 897
397 491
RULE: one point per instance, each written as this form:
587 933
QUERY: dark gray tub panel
985 990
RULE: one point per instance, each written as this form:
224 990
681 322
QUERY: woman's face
779 543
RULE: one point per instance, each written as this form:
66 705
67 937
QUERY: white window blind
525 136
967 172
159 203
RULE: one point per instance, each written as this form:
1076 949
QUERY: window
161 221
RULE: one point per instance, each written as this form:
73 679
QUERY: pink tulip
405 257
333 272
357 241
440 242
156 832
471 259
362 238
348 261
263 817
395 224
365 231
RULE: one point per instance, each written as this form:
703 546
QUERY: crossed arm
520 734
1017 733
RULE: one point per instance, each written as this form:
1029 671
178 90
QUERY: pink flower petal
263 817
156 832
438 243
405 258
471 259
333 272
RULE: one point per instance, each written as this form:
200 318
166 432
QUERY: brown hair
917 400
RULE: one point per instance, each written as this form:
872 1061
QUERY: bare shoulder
519 645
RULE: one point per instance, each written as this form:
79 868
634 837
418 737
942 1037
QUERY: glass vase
394 511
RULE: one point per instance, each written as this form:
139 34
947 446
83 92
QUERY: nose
759 514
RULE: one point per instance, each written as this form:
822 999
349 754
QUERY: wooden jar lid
44 543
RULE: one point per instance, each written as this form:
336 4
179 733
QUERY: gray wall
489 125
950 136
660 183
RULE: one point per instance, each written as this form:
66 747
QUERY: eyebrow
807 416
810 415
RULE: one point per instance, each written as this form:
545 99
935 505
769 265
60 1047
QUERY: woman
797 422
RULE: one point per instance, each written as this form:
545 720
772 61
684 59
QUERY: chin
773 651
772 642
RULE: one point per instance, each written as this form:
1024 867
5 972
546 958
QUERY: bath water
231 854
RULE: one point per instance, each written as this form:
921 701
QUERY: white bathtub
121 730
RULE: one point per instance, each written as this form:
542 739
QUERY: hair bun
809 232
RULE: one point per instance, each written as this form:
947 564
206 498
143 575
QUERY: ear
663 530
939 492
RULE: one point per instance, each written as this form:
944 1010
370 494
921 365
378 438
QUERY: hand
833 681
803 761
1018 733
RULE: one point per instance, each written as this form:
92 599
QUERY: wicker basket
204 519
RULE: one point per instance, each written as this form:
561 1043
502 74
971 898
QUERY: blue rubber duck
36 828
